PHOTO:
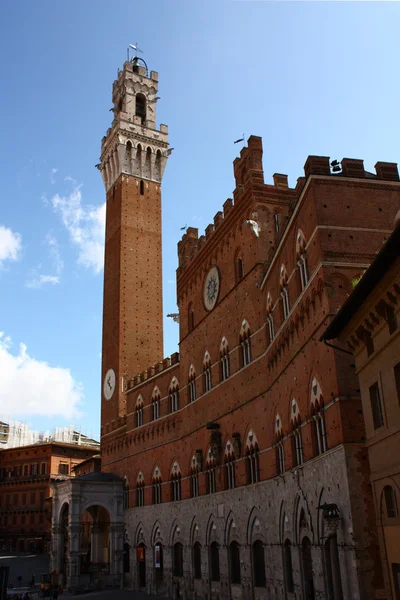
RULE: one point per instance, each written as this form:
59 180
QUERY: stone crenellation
248 173
154 370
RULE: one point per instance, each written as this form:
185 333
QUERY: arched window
252 464
192 384
158 166
302 262
157 487
128 156
174 396
252 461
207 378
234 563
224 360
317 410
259 577
287 566
155 404
140 490
197 561
141 186
139 412
141 107
214 562
126 493
178 560
297 444
245 344
211 469
284 292
229 462
319 432
285 302
332 565
390 502
176 489
279 447
194 478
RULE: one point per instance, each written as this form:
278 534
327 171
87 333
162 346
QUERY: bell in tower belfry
133 159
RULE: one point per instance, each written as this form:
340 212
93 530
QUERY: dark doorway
159 564
127 558
141 565
306 559
332 565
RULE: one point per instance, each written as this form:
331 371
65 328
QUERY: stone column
117 552
56 548
74 567
246 572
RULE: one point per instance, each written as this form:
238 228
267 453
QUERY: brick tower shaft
134 155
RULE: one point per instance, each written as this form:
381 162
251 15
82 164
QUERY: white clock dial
109 384
211 288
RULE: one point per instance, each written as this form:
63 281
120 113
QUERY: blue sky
310 78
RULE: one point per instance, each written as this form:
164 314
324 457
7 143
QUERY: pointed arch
173 395
156 403
255 527
224 359
192 384
207 373
245 344
139 411
194 535
252 458
302 519
157 166
213 534
139 534
175 533
156 534
232 529
319 433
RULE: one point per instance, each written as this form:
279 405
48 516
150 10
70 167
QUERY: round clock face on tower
211 288
109 384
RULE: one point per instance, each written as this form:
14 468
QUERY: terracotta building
242 459
26 473
369 325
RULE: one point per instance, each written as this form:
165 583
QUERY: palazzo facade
242 457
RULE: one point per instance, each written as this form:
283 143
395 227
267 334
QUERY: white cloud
10 245
54 251
52 173
85 225
37 281
32 387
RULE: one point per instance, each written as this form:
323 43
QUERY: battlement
248 171
249 164
154 370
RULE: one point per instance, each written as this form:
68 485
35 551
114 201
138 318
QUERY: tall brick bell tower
133 159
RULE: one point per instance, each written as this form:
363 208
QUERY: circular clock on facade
109 384
211 288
